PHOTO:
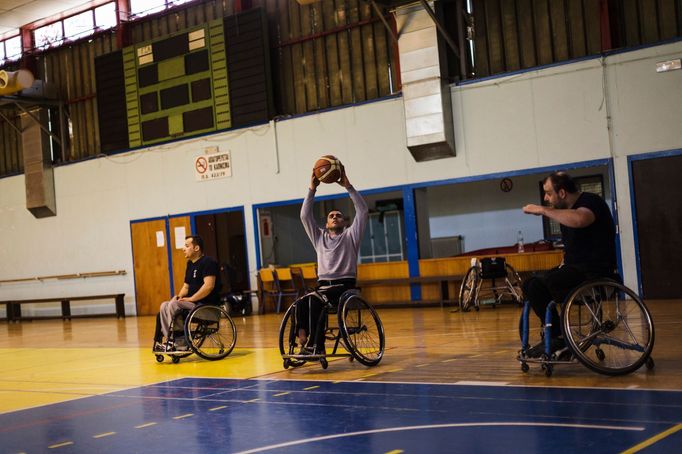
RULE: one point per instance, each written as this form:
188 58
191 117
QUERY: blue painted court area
201 415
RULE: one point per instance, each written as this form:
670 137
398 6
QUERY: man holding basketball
337 246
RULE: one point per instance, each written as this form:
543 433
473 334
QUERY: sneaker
306 351
536 350
159 347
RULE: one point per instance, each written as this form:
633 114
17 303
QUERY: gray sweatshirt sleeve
357 228
308 219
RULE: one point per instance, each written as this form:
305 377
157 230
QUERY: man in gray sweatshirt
337 246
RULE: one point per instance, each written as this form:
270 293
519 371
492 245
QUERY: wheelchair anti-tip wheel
608 327
469 289
362 330
210 332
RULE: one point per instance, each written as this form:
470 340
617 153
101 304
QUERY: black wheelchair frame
606 327
358 321
207 331
494 269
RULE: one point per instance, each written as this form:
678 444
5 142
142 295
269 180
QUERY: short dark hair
334 209
562 180
197 241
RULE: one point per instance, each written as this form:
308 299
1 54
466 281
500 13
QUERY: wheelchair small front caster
650 363
176 359
351 359
324 363
524 367
159 358
286 363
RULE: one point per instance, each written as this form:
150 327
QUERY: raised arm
575 218
307 217
357 228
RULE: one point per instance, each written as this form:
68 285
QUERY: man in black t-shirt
589 236
202 286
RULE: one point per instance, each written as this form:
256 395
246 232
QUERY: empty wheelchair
358 333
206 330
605 325
505 282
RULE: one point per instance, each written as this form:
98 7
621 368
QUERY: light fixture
670 65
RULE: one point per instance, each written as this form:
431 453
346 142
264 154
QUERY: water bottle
519 242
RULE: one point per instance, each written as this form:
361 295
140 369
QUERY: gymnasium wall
540 118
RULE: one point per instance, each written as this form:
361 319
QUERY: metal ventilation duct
426 96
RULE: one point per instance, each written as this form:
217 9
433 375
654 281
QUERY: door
658 210
180 227
150 258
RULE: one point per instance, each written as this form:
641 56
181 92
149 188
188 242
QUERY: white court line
439 426
481 383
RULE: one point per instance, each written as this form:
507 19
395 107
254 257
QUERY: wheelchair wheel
361 330
211 332
468 292
288 338
608 327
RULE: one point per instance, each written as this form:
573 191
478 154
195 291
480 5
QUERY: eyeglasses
335 215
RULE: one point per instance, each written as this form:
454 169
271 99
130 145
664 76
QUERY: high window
75 27
139 8
10 49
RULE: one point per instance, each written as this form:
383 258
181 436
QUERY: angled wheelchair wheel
608 327
361 330
288 338
468 291
211 332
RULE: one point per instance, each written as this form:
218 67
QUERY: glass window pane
79 25
105 16
13 48
49 35
379 236
2 52
392 223
141 8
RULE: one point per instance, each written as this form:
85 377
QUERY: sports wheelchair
495 269
605 325
358 330
206 330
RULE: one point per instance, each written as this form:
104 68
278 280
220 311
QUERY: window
10 49
383 239
139 8
80 25
75 27
105 16
49 35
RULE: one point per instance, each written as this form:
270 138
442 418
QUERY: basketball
327 169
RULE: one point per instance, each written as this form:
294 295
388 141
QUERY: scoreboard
177 86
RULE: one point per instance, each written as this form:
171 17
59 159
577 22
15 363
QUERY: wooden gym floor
51 361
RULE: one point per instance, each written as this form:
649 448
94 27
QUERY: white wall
540 118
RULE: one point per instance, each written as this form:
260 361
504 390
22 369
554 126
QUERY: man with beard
337 246
588 233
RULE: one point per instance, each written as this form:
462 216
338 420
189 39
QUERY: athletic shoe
159 347
537 350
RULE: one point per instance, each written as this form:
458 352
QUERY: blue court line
230 415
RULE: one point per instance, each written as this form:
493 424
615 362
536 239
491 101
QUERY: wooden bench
14 306
442 280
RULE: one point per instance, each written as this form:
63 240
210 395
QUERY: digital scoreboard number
177 86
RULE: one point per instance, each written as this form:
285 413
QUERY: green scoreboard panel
177 86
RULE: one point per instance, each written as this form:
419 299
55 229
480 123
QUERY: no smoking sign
211 166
